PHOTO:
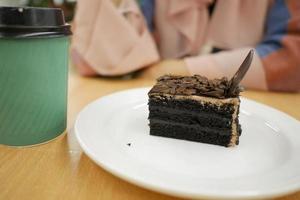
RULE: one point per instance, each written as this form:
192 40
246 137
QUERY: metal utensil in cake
239 75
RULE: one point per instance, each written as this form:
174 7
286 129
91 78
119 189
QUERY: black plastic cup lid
29 22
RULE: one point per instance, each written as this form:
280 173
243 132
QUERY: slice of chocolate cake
196 109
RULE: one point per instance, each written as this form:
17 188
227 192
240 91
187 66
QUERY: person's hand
174 67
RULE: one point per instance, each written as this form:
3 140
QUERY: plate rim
269 194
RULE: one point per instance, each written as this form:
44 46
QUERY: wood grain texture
59 169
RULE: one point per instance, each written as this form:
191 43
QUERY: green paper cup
33 75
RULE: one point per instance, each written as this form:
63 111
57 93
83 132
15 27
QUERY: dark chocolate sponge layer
190 118
192 105
220 131
189 133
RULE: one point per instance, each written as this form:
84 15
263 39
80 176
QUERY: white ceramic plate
113 131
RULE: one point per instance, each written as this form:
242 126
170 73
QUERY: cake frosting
195 85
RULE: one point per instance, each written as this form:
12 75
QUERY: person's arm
276 65
226 63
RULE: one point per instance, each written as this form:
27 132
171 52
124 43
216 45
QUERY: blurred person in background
207 37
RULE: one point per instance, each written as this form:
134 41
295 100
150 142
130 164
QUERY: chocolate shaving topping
194 85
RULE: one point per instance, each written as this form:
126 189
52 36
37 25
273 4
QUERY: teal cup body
33 88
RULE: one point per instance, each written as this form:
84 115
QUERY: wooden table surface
59 169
